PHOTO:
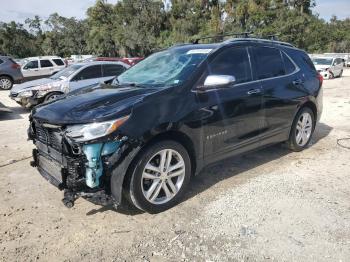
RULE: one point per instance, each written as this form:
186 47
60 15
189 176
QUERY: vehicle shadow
236 165
13 113
227 168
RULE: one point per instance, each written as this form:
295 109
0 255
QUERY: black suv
160 122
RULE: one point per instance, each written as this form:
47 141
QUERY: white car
329 67
74 77
38 67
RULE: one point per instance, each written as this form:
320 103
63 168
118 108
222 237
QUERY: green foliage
139 27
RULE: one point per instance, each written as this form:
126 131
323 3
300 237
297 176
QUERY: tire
298 142
52 96
6 83
154 191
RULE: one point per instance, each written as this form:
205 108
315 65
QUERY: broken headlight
86 132
26 93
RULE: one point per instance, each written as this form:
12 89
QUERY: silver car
329 67
72 78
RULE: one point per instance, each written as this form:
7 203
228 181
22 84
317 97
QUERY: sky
19 10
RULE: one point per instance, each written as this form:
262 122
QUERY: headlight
27 93
86 132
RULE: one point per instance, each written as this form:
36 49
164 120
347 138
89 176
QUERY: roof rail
261 40
243 34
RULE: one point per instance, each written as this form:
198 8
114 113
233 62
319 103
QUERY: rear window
288 64
45 63
269 62
112 70
307 61
58 62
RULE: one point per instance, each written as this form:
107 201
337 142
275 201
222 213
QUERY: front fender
120 162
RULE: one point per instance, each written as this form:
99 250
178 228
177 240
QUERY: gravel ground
270 205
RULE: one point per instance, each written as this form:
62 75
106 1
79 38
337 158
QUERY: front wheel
302 130
160 177
52 96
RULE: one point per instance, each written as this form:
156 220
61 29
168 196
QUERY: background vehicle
74 77
10 73
329 67
127 60
42 66
173 113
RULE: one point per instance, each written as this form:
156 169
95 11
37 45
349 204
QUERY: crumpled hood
100 104
33 83
322 67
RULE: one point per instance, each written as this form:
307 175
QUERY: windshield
65 73
322 61
164 69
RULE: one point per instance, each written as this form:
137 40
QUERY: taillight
320 78
15 66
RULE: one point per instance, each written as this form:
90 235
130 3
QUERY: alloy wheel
163 176
303 129
5 83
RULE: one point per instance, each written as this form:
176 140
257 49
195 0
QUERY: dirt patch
270 205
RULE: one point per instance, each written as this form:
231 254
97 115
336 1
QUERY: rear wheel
160 177
6 83
302 130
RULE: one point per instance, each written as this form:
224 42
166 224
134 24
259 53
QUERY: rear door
282 84
46 67
87 76
235 112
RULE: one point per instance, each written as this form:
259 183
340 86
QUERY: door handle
298 82
254 91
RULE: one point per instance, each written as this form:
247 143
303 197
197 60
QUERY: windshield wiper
133 84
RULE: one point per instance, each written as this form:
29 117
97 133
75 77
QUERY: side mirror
218 81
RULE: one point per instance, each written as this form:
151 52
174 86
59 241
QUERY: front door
236 114
31 69
88 76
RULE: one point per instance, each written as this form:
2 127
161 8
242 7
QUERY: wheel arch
121 175
182 139
53 92
7 76
310 105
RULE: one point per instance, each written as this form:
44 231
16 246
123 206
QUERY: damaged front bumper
80 169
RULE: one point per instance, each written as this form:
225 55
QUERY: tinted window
112 70
89 73
268 62
308 62
288 64
1 61
234 62
45 63
58 62
32 65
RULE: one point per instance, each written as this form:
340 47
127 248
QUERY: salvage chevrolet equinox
143 135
